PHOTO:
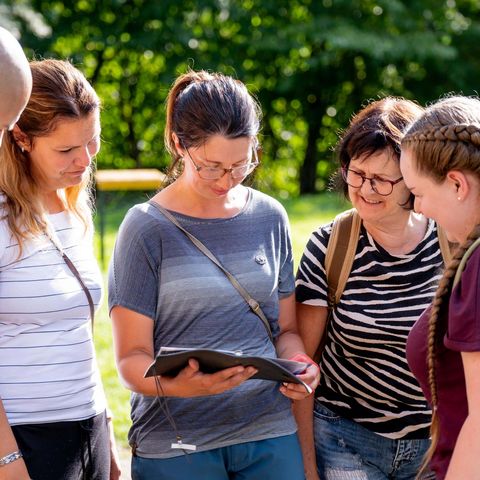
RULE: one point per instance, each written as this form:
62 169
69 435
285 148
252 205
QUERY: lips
219 192
370 202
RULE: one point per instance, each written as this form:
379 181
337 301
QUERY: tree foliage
311 63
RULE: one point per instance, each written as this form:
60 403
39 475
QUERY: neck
400 236
52 202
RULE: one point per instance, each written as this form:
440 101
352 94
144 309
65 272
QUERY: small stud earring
458 198
22 149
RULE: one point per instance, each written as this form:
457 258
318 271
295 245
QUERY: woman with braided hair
440 163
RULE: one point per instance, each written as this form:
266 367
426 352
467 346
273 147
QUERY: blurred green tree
312 64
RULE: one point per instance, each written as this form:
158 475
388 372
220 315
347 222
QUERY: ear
459 181
178 144
21 139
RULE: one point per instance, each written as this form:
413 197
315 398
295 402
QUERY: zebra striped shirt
365 376
48 370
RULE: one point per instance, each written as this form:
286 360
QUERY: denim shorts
273 459
347 451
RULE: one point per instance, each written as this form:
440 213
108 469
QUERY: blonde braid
466 133
438 316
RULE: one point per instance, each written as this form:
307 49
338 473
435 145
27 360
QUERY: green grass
305 213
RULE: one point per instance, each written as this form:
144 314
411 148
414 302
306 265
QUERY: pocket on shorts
321 412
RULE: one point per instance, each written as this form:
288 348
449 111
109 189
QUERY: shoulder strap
339 256
252 303
340 253
463 261
445 246
71 266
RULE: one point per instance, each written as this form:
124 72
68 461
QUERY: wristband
11 457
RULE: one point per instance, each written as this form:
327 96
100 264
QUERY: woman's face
445 202
371 206
61 158
221 153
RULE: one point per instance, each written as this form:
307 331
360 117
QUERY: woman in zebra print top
370 418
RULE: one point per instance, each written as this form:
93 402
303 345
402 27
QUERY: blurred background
311 63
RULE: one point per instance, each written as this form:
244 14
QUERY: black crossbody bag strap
76 274
252 303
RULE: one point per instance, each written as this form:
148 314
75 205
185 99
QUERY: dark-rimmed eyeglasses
215 173
379 185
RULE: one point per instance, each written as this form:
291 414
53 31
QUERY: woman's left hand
311 377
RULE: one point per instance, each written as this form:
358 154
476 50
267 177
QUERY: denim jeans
272 459
347 451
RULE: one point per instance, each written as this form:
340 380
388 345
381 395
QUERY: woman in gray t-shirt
164 292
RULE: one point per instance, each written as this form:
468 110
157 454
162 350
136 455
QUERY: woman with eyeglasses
165 292
369 419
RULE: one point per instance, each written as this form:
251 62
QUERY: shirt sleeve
464 313
286 281
133 273
311 281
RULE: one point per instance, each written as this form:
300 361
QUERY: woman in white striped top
50 283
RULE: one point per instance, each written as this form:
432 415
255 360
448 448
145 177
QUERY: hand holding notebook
171 360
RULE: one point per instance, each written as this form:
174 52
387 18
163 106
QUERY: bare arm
17 469
133 341
311 324
289 344
464 462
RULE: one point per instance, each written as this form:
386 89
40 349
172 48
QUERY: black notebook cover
169 363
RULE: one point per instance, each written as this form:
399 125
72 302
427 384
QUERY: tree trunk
308 170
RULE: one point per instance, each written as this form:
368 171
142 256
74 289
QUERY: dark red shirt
463 335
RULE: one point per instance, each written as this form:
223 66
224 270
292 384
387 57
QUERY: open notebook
170 360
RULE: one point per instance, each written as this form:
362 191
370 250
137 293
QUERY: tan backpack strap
464 260
341 249
339 256
445 246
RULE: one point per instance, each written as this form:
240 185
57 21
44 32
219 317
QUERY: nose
367 186
85 158
227 181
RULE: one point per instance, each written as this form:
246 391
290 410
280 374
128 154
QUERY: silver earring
22 149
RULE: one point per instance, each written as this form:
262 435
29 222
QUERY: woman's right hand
191 382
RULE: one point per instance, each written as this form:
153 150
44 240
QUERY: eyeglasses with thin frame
215 173
381 186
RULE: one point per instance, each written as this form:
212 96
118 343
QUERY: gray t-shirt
157 271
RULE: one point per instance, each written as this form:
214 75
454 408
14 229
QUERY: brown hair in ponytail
202 104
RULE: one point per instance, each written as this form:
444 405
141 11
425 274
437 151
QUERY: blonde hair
59 92
446 137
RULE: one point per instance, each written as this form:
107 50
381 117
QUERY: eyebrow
243 160
61 147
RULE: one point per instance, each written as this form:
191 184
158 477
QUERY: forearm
464 462
132 369
17 469
303 411
288 344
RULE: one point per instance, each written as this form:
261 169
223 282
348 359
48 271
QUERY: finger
311 378
234 380
294 393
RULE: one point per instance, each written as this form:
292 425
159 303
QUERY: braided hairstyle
446 137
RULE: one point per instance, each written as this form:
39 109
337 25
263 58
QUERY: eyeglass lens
356 180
